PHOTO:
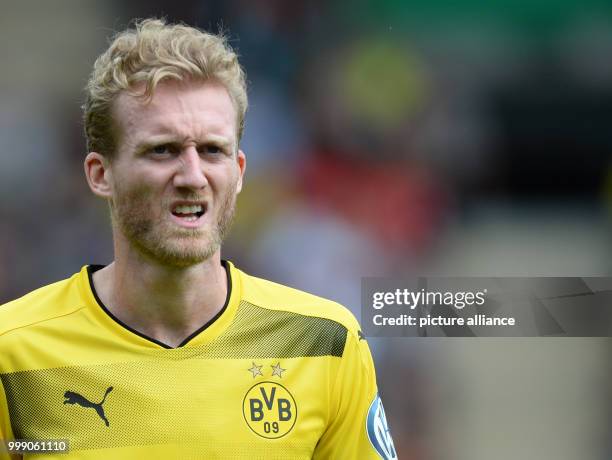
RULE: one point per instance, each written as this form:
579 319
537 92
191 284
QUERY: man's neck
164 303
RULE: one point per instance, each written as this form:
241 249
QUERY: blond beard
160 240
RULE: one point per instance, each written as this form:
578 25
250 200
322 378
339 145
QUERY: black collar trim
91 269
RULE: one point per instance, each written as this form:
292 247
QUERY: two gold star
276 370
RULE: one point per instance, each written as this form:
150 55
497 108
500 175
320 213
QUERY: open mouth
189 213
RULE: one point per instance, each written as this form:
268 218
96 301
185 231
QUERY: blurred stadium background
383 137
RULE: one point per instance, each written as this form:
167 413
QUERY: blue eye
211 149
160 149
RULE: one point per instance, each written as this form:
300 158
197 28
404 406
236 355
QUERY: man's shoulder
42 304
274 296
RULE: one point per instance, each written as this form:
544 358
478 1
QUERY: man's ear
98 174
241 160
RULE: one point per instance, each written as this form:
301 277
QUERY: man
170 352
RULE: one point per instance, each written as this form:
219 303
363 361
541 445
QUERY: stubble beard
159 239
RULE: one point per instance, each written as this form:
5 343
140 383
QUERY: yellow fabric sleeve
353 396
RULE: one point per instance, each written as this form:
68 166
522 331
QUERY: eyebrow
160 139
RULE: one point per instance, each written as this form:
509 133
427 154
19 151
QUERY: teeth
188 209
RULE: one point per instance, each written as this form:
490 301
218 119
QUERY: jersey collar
204 334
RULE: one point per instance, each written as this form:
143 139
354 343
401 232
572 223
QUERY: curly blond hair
151 52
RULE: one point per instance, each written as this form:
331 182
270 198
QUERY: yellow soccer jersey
277 374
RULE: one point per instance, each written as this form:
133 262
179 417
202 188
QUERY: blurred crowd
383 138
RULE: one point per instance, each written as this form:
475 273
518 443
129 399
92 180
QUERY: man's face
176 171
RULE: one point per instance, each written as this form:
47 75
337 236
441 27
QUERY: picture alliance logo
412 299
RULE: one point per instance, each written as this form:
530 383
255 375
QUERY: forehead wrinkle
180 97
186 127
184 112
165 132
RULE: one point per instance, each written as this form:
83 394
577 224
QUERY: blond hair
151 52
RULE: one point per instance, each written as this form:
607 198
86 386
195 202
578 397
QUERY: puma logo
75 398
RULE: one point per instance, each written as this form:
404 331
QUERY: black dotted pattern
262 333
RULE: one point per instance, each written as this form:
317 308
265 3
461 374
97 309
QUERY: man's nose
190 173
